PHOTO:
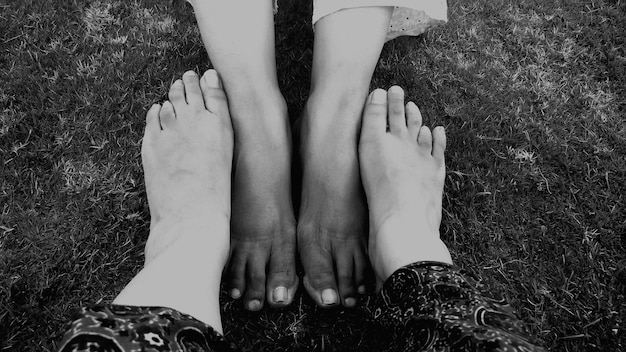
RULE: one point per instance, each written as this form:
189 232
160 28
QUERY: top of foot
403 169
187 155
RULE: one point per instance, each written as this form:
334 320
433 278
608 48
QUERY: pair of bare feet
188 151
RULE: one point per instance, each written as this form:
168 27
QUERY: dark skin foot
332 226
261 268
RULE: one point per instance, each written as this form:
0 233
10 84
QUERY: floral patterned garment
114 328
428 307
438 307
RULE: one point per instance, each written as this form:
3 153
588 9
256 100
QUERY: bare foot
332 226
403 171
187 152
187 155
262 267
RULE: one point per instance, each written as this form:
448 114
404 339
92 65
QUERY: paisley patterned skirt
427 306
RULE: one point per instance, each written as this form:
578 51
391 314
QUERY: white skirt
410 17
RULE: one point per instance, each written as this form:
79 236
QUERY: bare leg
332 227
403 171
187 155
239 37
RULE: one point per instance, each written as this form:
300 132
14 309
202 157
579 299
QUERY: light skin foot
403 170
187 152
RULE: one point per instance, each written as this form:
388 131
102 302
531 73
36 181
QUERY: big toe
374 121
282 284
319 277
282 281
397 116
213 92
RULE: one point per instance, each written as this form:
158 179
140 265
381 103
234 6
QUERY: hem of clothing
409 18
133 328
436 306
426 305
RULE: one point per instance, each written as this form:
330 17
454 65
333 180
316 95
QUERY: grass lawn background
532 93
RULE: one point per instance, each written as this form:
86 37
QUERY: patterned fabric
428 307
114 328
410 17
437 307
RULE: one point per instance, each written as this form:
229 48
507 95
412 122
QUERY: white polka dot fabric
410 17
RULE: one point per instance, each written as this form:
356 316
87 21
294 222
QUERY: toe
236 271
167 116
439 143
319 278
214 96
193 94
397 119
152 119
425 139
360 271
281 289
375 114
255 284
282 281
212 79
345 278
413 120
177 95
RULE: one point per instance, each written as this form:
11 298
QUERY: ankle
257 92
332 116
431 251
400 243
259 115
338 99
188 236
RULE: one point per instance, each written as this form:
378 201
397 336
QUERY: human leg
426 301
187 157
187 153
239 38
332 225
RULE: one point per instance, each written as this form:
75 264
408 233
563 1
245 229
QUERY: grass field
533 94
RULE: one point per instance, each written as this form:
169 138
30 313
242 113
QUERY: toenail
329 297
190 73
235 293
212 79
379 96
395 89
255 304
280 294
350 302
361 289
